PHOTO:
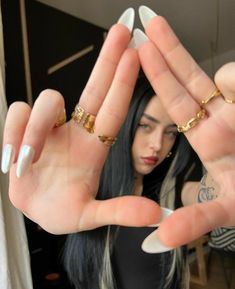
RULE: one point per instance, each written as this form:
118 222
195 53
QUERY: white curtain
15 272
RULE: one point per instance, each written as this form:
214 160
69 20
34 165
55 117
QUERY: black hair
84 251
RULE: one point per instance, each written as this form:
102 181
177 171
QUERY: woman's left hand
182 86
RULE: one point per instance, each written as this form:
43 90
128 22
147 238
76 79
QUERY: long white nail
165 212
127 18
7 158
25 160
139 37
146 14
152 244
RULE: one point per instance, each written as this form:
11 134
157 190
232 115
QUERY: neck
138 185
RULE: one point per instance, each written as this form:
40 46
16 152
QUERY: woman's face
154 138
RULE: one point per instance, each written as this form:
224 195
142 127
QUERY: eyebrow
149 117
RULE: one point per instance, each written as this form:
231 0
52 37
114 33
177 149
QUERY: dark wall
53 36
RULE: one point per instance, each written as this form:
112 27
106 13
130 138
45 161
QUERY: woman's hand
182 86
58 175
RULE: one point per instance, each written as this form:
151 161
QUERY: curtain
15 272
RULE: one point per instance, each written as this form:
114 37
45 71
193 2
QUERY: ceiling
206 27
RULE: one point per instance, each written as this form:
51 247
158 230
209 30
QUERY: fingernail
25 159
7 158
152 244
132 43
165 212
127 18
139 37
146 14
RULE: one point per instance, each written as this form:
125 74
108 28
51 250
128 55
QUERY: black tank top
135 269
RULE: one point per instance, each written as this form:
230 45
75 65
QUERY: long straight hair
87 257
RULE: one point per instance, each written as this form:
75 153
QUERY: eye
172 133
144 126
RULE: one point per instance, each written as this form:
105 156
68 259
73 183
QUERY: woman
151 159
55 171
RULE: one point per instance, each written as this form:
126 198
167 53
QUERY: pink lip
150 160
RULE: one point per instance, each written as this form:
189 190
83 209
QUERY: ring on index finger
215 93
192 122
86 119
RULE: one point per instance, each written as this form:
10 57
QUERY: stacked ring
107 140
192 122
86 119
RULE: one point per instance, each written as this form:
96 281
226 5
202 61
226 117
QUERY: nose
156 140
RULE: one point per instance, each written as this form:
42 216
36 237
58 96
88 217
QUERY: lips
150 160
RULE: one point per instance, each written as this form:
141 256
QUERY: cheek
137 145
168 146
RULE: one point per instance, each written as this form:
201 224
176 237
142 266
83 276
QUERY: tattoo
206 193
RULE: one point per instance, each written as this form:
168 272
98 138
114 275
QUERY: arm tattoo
206 193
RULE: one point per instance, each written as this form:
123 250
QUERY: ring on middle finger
192 122
86 119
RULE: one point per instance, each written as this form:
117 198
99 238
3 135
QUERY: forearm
203 191
208 189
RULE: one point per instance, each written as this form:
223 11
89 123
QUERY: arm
199 192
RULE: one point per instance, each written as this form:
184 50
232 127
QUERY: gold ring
61 120
192 122
228 100
86 119
215 93
107 140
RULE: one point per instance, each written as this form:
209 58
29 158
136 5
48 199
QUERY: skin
182 85
58 192
155 136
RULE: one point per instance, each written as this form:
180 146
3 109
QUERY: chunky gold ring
192 122
107 140
61 120
215 93
86 119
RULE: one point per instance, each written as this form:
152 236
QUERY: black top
132 267
135 269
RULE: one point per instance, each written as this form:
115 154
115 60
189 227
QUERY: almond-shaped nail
146 14
165 212
127 18
139 37
152 244
25 160
7 158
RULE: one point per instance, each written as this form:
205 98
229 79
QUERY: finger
189 223
127 211
173 94
225 80
104 69
115 106
46 111
16 121
181 63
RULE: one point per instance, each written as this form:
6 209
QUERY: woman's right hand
55 177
